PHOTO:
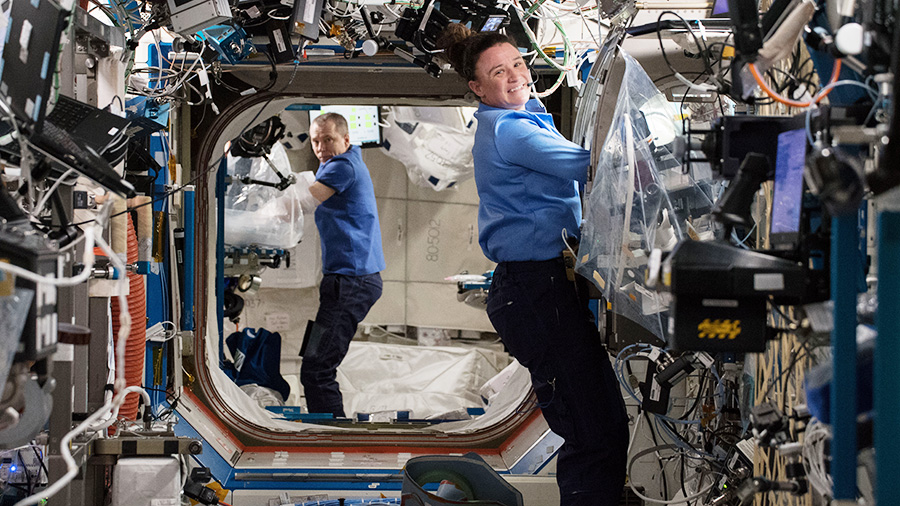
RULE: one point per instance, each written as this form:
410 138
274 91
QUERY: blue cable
680 442
740 244
675 420
720 386
163 273
845 82
620 361
809 137
676 439
351 502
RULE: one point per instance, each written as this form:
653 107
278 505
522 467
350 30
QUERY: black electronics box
719 270
280 46
739 135
25 247
718 324
654 396
720 295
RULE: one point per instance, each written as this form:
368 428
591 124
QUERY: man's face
326 141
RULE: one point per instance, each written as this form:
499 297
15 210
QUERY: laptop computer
101 130
26 77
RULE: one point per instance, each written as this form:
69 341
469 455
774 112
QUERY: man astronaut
352 257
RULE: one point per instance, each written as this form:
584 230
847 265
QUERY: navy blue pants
343 302
548 328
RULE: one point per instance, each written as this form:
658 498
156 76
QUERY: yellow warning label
600 281
7 281
719 329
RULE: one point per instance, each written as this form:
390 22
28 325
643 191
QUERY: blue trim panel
224 473
220 254
187 312
844 258
219 467
887 356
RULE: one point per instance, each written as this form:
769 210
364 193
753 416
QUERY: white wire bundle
111 409
569 10
87 260
551 31
686 500
174 79
817 436
160 333
132 14
686 438
171 79
47 194
351 9
697 494
537 44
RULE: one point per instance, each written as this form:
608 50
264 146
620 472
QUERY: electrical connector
200 493
195 489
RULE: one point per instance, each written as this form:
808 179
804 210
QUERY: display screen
362 121
493 23
720 8
788 195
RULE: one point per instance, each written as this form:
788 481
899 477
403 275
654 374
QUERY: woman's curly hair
462 47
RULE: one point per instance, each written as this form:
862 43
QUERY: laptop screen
29 58
787 200
719 8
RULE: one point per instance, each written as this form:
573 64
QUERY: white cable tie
702 30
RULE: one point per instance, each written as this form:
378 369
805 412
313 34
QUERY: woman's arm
521 141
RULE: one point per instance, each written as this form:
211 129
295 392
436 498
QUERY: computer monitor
363 121
787 201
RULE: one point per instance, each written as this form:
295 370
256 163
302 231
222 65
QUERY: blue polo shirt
348 220
528 177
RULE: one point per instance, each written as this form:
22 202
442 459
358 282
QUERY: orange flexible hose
836 71
135 345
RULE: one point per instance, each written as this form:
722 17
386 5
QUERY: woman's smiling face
501 78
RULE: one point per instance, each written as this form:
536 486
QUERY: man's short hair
339 122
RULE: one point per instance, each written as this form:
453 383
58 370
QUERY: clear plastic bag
640 200
434 143
264 396
261 215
